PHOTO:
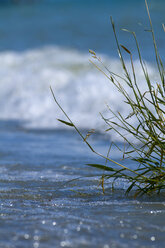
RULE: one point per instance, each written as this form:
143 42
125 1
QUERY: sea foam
80 88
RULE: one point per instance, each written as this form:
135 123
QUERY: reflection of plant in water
148 130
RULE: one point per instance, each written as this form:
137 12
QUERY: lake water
48 196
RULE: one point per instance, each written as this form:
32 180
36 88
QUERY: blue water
47 42
78 24
41 205
48 196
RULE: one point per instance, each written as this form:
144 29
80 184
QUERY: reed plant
145 138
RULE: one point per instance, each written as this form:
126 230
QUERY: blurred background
46 42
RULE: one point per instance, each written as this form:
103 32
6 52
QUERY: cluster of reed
147 148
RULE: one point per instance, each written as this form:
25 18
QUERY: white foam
80 88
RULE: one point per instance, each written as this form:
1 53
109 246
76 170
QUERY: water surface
45 43
42 206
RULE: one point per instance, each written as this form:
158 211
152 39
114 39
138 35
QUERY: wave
79 87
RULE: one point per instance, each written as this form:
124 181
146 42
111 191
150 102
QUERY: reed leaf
147 149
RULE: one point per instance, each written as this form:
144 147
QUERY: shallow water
40 208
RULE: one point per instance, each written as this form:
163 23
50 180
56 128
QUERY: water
41 204
46 43
40 208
